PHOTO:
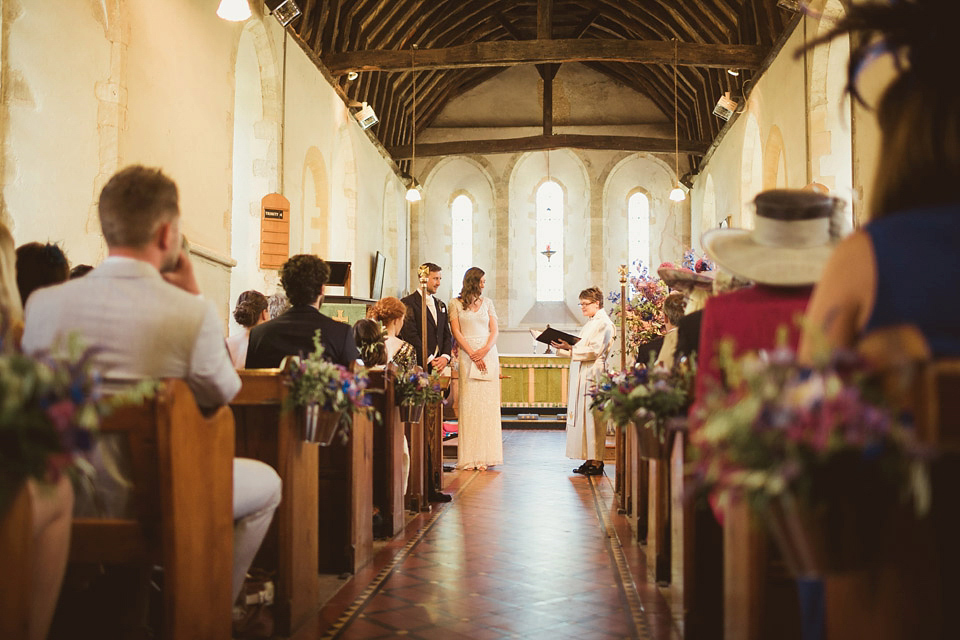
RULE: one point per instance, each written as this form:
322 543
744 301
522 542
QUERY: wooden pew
182 465
16 548
266 431
696 551
637 477
417 498
345 486
387 452
909 593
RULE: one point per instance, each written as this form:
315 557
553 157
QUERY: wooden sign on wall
274 231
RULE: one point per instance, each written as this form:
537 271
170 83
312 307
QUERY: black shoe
582 468
594 470
438 496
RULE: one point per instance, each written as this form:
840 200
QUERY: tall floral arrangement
50 408
643 307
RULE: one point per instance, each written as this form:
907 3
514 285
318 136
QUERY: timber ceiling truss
462 43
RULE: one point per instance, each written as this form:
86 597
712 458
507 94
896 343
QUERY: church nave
525 550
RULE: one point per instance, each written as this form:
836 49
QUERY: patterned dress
480 442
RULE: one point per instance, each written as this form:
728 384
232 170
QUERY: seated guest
291 333
391 313
250 311
277 304
51 503
40 265
673 306
368 334
80 270
150 322
695 286
784 255
879 276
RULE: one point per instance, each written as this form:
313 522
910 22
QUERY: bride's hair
471 286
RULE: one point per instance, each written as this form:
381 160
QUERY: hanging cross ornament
548 252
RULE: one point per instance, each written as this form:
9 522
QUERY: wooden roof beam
506 53
543 143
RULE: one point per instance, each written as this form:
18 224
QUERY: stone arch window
638 228
461 238
549 245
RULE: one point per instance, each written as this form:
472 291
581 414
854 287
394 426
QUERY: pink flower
61 414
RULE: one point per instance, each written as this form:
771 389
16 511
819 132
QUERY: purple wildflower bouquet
332 387
51 407
783 429
644 307
415 387
646 396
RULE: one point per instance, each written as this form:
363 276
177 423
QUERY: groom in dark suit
439 343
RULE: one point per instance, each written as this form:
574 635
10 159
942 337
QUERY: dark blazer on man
438 331
645 350
292 332
688 335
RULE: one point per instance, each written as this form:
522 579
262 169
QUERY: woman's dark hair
673 306
40 265
80 270
471 286
387 309
250 305
303 277
919 112
592 294
368 334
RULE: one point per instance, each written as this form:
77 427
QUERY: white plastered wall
156 86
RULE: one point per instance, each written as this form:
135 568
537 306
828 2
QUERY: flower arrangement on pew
51 408
814 451
648 397
414 389
644 307
328 393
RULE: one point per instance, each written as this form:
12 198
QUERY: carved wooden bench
266 431
182 466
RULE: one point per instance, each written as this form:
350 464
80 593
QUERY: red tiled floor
523 551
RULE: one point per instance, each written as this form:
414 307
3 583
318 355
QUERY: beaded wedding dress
480 443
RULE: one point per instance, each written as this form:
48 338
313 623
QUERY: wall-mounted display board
274 231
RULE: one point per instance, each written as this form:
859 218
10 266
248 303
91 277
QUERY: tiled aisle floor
523 551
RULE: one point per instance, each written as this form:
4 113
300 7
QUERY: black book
550 335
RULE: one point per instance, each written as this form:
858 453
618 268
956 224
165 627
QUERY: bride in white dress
474 323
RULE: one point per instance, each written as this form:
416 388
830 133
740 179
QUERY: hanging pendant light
234 10
677 194
413 191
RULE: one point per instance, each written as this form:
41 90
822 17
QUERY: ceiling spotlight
285 12
366 116
733 72
234 10
353 75
725 107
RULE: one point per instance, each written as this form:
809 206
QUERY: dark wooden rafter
543 143
511 53
336 29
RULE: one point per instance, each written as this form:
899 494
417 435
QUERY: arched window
461 232
638 229
549 242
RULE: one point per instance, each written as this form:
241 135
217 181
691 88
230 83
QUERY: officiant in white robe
586 436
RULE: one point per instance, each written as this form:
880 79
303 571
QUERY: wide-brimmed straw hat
789 245
683 278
